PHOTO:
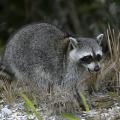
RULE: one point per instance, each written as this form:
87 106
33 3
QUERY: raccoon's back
34 46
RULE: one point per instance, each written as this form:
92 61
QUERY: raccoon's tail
5 79
4 75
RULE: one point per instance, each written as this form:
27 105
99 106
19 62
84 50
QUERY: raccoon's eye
86 59
98 57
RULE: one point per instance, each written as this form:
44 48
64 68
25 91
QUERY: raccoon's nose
97 68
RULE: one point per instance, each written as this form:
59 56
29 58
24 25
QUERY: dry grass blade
109 44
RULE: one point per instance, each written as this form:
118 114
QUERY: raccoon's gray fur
37 52
43 53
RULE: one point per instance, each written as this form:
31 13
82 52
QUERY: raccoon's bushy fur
40 53
34 52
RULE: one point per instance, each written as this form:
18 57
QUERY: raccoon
45 54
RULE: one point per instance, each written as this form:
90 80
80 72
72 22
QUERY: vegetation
70 117
70 15
31 106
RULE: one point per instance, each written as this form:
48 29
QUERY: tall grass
112 63
113 38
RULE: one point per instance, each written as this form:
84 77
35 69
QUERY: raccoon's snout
96 68
93 67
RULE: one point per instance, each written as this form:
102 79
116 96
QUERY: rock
6 111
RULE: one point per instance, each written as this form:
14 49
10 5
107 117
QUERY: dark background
79 17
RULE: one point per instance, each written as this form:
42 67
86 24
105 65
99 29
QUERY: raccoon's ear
73 42
100 38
